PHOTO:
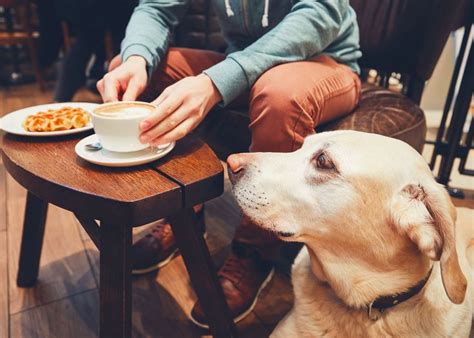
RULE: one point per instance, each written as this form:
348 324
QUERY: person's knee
275 114
272 96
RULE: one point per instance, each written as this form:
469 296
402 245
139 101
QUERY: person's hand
180 108
124 80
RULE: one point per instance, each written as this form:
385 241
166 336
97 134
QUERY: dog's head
355 197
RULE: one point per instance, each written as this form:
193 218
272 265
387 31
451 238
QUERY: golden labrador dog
381 256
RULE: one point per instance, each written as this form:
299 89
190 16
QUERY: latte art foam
124 111
127 112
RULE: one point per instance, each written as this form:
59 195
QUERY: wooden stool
120 198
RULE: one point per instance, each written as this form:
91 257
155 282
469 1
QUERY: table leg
32 240
202 273
115 280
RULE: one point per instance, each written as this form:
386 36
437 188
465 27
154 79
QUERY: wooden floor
65 301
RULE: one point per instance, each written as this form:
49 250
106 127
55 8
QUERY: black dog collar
380 304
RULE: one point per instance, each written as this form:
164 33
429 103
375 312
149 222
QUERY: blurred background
60 45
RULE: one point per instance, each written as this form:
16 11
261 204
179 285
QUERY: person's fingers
176 134
111 89
165 108
163 96
115 62
100 86
165 125
134 88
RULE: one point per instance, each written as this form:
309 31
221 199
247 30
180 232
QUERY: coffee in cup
117 124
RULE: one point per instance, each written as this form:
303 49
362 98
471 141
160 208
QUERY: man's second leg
286 103
158 247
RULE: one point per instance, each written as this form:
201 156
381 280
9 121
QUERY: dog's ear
425 213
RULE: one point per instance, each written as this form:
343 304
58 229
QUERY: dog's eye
323 162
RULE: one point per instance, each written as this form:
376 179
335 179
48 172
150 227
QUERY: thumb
134 88
115 62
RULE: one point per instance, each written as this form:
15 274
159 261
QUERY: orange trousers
285 104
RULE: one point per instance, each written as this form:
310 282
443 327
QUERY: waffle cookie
57 119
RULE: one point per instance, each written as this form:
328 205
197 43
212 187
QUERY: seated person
89 21
295 64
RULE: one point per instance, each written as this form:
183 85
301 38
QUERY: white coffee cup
117 124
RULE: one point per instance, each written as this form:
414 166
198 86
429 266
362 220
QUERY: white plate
12 123
115 159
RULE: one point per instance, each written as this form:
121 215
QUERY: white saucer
115 159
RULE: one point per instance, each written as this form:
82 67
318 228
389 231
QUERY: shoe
158 248
242 279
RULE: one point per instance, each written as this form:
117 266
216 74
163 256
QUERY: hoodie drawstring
230 12
228 8
265 14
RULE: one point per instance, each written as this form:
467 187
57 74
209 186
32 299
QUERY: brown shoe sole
246 312
160 264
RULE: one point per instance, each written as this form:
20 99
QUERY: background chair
19 30
403 37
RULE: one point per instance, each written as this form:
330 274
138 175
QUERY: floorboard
76 316
4 313
3 197
64 267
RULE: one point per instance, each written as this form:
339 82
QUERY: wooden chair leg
32 240
115 280
202 273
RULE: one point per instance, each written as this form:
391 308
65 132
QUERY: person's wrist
137 60
215 97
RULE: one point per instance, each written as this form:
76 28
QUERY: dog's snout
235 167
235 163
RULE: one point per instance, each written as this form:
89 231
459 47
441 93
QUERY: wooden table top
50 169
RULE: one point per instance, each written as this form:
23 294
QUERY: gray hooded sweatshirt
260 34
